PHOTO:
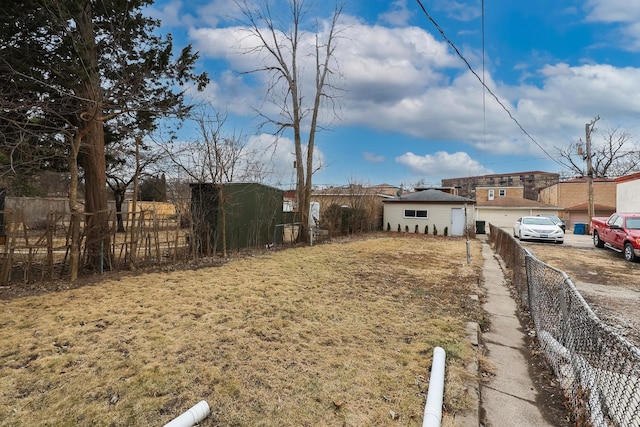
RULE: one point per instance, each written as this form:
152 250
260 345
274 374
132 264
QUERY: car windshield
554 218
538 220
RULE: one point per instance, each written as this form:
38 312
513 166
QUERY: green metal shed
251 211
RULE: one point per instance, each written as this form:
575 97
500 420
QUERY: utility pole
589 128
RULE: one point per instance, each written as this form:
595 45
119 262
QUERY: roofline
496 175
456 202
585 179
497 185
212 184
627 178
542 208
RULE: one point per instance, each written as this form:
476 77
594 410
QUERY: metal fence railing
598 370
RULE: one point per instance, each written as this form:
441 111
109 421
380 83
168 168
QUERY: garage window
412 213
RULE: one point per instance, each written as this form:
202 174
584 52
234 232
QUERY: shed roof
429 196
233 184
596 206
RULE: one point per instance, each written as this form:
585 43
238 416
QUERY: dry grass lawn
339 334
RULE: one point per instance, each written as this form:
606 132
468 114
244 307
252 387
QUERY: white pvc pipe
433 408
192 416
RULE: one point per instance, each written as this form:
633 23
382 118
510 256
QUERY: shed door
457 221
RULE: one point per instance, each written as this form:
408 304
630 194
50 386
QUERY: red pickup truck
620 232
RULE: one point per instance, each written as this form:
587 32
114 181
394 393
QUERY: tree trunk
74 223
96 208
118 196
134 208
92 153
303 201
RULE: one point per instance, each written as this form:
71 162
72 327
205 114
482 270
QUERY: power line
453 46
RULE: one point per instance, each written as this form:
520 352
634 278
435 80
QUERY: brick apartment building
531 183
576 191
573 196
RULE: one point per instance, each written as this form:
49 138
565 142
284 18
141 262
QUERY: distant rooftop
430 195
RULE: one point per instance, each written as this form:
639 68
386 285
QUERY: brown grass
329 335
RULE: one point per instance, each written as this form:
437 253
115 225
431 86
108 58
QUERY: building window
411 213
502 192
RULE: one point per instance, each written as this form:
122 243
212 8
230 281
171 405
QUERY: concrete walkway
509 399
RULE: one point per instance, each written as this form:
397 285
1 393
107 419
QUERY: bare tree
355 208
367 208
281 45
122 170
213 158
614 154
28 162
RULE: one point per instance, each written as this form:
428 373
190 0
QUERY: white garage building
628 193
503 212
429 208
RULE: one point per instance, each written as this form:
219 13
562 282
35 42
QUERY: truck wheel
596 240
629 254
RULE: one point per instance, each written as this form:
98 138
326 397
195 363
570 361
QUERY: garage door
503 218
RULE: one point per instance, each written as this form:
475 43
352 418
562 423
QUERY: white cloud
274 158
377 63
404 80
612 89
217 11
398 13
627 13
612 11
383 65
372 157
219 43
442 164
460 11
173 14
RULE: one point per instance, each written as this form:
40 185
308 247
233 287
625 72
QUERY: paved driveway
578 240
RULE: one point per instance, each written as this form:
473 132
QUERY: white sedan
537 228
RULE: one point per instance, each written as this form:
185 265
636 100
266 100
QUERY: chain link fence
598 370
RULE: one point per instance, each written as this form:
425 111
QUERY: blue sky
411 110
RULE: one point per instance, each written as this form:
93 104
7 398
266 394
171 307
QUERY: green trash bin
480 227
